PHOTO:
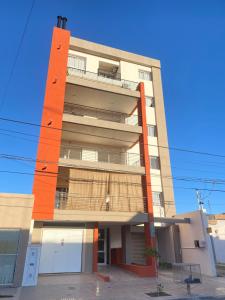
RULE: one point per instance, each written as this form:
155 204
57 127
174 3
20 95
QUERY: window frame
146 75
16 254
159 201
74 56
154 129
157 162
152 99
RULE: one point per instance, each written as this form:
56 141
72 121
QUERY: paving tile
123 286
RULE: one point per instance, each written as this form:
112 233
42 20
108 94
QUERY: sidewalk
123 286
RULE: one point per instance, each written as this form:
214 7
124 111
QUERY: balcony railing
101 114
98 203
96 155
127 84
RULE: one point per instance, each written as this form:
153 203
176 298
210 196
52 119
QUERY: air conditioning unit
199 243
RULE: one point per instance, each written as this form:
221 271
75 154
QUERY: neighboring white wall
218 237
196 230
115 237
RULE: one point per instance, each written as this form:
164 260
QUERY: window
90 155
154 162
157 198
61 197
77 62
152 130
149 101
145 75
9 239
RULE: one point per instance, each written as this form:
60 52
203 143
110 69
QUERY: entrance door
61 250
102 246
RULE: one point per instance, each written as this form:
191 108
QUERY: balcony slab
98 85
104 166
100 216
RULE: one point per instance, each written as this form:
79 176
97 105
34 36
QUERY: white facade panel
158 211
156 180
153 146
150 115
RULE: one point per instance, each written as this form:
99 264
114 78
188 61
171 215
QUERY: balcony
102 77
96 155
100 114
100 159
67 201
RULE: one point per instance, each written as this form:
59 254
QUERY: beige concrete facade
92 165
91 133
16 213
100 216
129 64
166 175
101 86
111 53
102 124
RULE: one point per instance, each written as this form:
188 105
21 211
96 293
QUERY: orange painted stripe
44 187
95 248
146 180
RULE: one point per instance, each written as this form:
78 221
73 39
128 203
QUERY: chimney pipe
59 21
64 20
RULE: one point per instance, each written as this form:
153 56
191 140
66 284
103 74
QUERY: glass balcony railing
127 84
100 114
123 158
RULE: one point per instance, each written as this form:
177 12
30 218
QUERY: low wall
140 270
197 230
16 213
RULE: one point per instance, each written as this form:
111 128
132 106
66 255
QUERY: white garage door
61 250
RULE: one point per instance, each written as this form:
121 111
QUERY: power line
82 181
111 138
181 178
75 147
17 55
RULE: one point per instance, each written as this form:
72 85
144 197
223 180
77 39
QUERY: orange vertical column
45 178
95 248
146 180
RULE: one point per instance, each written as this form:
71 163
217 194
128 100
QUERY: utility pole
200 202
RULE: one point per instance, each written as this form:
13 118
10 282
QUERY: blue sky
186 35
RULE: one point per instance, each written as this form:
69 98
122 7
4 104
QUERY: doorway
103 246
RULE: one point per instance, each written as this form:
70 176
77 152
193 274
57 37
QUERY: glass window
90 155
154 162
9 239
145 75
157 198
152 130
77 62
149 101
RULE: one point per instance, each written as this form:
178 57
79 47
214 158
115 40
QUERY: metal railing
127 84
101 114
99 155
99 203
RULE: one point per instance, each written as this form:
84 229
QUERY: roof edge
112 53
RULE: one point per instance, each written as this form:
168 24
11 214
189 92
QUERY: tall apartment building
102 185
